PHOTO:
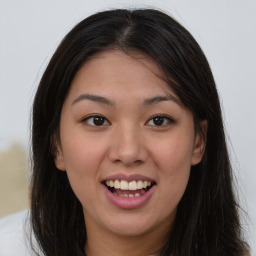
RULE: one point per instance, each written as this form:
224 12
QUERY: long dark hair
207 221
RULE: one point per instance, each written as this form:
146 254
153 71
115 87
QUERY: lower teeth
129 195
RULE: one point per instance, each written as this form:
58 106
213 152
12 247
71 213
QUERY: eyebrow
158 99
93 97
103 100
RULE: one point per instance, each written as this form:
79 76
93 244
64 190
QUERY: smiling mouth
128 189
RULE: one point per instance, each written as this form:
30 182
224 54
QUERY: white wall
30 30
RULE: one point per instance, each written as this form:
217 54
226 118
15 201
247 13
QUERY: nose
128 146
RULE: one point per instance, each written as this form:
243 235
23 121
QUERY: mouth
128 189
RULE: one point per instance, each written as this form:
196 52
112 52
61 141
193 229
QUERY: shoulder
14 235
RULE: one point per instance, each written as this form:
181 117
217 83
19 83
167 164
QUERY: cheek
82 158
173 156
81 153
173 160
174 165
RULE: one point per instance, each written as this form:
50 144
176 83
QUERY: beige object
13 180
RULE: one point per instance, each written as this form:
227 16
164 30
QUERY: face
127 144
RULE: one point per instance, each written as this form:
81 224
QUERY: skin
128 142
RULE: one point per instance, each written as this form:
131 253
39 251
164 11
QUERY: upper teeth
125 185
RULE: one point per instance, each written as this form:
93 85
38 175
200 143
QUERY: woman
129 151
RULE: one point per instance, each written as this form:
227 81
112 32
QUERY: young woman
129 151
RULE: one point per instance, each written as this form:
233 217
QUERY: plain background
30 31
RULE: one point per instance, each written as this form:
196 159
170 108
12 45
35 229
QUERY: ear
58 154
59 160
200 143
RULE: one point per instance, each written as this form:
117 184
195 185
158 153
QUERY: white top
14 235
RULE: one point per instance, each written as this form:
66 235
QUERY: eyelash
93 118
166 120
163 120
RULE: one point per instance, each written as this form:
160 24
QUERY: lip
130 202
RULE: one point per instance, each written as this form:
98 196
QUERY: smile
128 189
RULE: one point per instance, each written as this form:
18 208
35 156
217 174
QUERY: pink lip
129 203
128 178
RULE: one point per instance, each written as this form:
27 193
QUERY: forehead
115 73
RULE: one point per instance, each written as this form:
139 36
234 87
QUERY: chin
137 224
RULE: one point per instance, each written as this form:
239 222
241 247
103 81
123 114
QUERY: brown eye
160 120
96 120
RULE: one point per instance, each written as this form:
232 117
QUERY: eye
96 120
160 120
